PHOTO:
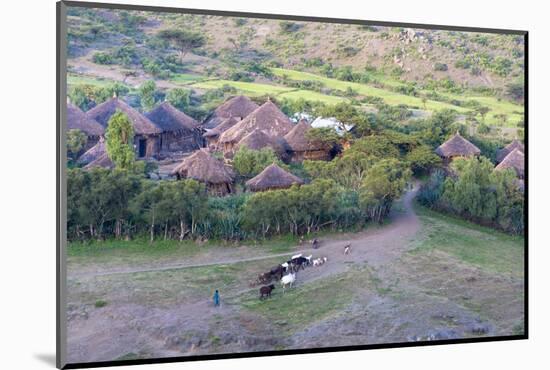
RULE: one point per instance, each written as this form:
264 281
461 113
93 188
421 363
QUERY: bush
100 303
440 67
289 27
483 129
248 163
102 58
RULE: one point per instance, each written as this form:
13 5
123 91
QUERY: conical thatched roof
267 117
103 112
102 161
225 125
516 160
93 153
273 177
169 119
298 142
502 153
457 146
258 139
238 106
78 120
203 167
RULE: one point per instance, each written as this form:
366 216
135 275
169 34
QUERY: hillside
424 70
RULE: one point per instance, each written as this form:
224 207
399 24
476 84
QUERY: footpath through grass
112 253
480 246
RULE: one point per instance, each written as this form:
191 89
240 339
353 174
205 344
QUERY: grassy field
513 111
390 97
73 79
482 247
185 78
249 88
137 253
291 309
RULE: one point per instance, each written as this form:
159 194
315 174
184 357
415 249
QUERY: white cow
288 280
296 256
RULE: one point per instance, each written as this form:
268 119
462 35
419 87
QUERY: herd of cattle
286 273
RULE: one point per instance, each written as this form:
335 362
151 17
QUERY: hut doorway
142 148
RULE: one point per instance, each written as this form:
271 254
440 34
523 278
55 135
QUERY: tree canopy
119 140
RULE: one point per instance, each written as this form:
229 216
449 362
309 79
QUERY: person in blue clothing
216 298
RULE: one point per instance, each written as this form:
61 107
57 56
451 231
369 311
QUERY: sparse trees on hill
185 41
482 111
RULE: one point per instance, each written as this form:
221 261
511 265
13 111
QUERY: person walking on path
216 298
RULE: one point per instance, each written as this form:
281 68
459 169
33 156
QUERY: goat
347 249
284 266
308 258
266 291
288 280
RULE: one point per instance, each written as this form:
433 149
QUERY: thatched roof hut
93 153
180 133
457 146
301 147
273 177
515 160
170 119
103 112
258 139
102 161
204 168
78 120
238 107
212 135
268 117
502 153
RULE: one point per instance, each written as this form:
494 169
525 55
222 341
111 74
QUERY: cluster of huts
511 156
167 132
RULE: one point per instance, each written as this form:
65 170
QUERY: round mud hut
204 168
273 177
212 135
180 133
93 153
514 160
502 153
238 107
78 120
301 147
268 118
146 133
259 139
456 146
103 161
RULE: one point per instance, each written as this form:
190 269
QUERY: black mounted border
61 75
